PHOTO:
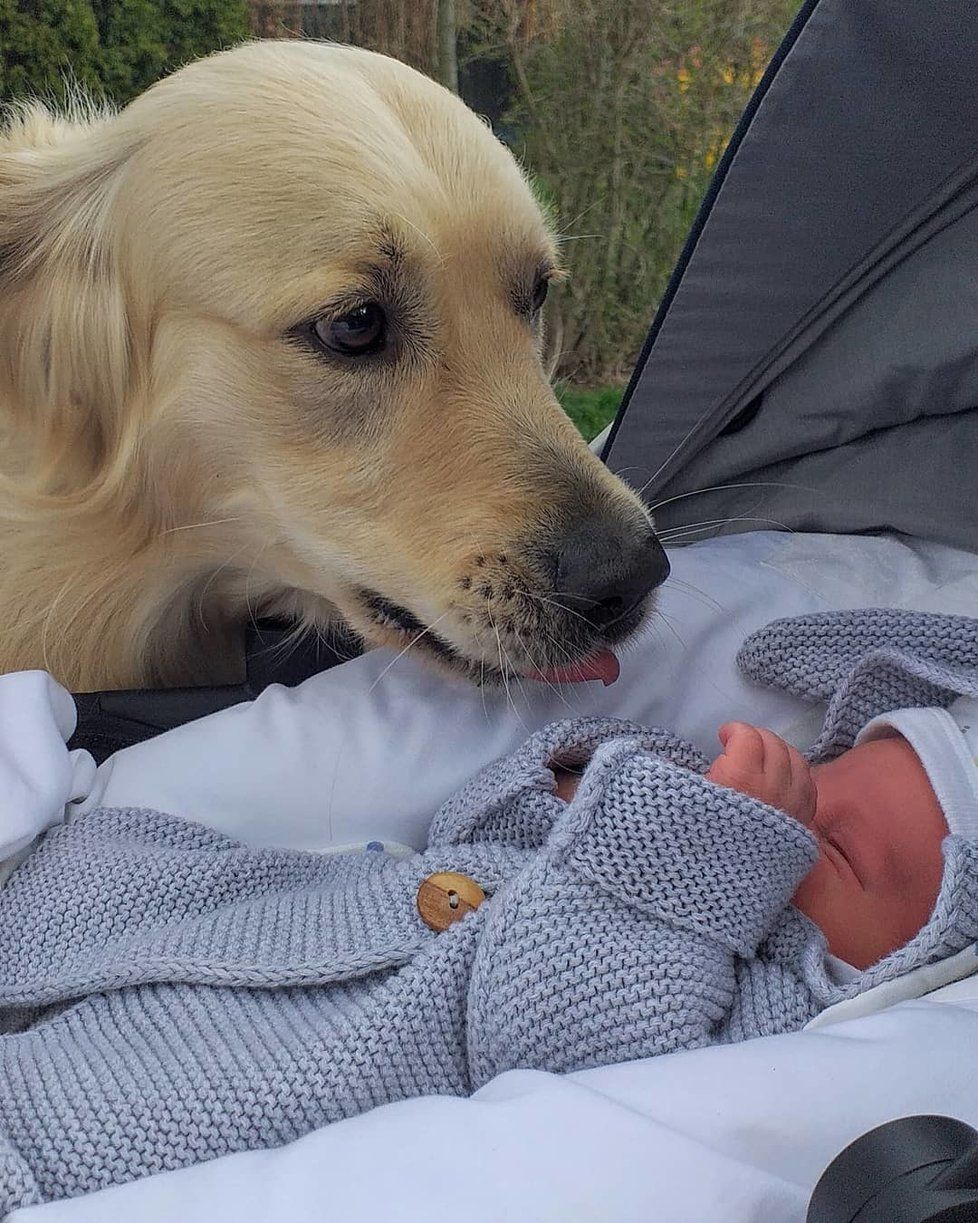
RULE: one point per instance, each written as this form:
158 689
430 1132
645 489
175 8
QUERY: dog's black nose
605 571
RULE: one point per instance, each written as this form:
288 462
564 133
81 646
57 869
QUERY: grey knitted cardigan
169 995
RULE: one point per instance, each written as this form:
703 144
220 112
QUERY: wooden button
446 898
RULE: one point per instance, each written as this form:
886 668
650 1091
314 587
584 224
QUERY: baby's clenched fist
758 762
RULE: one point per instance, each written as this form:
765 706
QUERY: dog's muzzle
548 610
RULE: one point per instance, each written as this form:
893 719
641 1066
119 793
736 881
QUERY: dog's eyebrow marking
389 274
391 249
393 242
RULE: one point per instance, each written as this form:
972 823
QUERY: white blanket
368 751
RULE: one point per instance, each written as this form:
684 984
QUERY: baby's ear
66 339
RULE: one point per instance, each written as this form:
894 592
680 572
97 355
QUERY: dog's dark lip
387 614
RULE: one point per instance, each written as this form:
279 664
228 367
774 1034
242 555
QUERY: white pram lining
730 1134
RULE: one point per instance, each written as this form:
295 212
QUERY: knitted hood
863 664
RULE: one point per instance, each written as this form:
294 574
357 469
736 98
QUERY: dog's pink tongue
603 666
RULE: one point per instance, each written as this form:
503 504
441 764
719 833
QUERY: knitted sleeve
621 939
18 1187
513 802
784 986
670 843
811 655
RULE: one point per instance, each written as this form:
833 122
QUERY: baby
875 815
170 995
877 820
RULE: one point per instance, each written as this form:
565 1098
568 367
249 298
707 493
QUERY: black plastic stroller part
110 721
919 1169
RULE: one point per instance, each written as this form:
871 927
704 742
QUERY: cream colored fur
173 460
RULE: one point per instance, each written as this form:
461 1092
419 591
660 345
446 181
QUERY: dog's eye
360 331
539 294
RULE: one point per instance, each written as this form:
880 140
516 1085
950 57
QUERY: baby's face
878 825
879 829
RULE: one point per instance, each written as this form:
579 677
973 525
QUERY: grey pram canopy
819 337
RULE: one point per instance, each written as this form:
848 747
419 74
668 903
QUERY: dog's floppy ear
66 359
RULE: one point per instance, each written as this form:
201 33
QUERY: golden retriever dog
270 344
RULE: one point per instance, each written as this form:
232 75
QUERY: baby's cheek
858 926
908 892
891 923
889 915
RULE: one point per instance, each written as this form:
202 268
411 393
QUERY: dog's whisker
674 533
503 664
662 618
196 526
247 590
334 639
563 232
562 649
499 649
550 684
421 234
671 533
212 578
687 588
560 606
714 488
340 751
299 631
519 683
675 450
556 686
413 642
482 676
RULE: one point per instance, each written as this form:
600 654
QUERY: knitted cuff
673 845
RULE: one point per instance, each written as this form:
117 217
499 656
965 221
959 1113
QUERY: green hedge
114 48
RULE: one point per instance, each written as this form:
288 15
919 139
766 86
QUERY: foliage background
618 109
114 48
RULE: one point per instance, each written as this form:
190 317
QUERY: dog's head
291 297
